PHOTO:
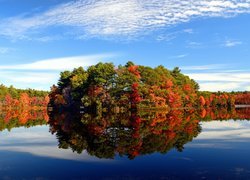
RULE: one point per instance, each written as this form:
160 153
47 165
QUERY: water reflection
13 118
128 134
131 134
219 147
27 131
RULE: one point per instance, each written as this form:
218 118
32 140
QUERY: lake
203 144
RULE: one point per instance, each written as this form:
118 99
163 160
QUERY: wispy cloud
44 73
180 56
104 18
204 67
225 77
232 43
189 31
22 79
221 86
4 50
64 63
173 35
222 81
193 44
219 77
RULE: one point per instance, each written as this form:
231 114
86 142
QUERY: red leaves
242 98
135 96
24 115
174 100
25 101
134 70
8 100
187 87
203 113
46 100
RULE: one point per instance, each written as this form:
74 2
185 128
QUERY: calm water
173 145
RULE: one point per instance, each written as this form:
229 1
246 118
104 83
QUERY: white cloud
227 81
225 77
44 73
64 63
24 80
219 77
232 43
220 86
101 18
204 67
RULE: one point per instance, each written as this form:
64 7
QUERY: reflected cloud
30 139
231 124
222 135
225 130
241 170
211 145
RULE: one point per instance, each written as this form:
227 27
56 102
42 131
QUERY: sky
208 39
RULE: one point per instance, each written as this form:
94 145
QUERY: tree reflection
127 134
131 134
28 117
224 114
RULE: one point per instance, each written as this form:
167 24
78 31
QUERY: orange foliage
169 84
202 100
134 70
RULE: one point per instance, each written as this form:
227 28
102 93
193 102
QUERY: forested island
134 110
104 87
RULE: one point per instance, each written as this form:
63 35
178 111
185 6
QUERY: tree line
11 97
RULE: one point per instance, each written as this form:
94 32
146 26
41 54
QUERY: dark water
170 145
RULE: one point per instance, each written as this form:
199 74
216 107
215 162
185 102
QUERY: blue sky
208 39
